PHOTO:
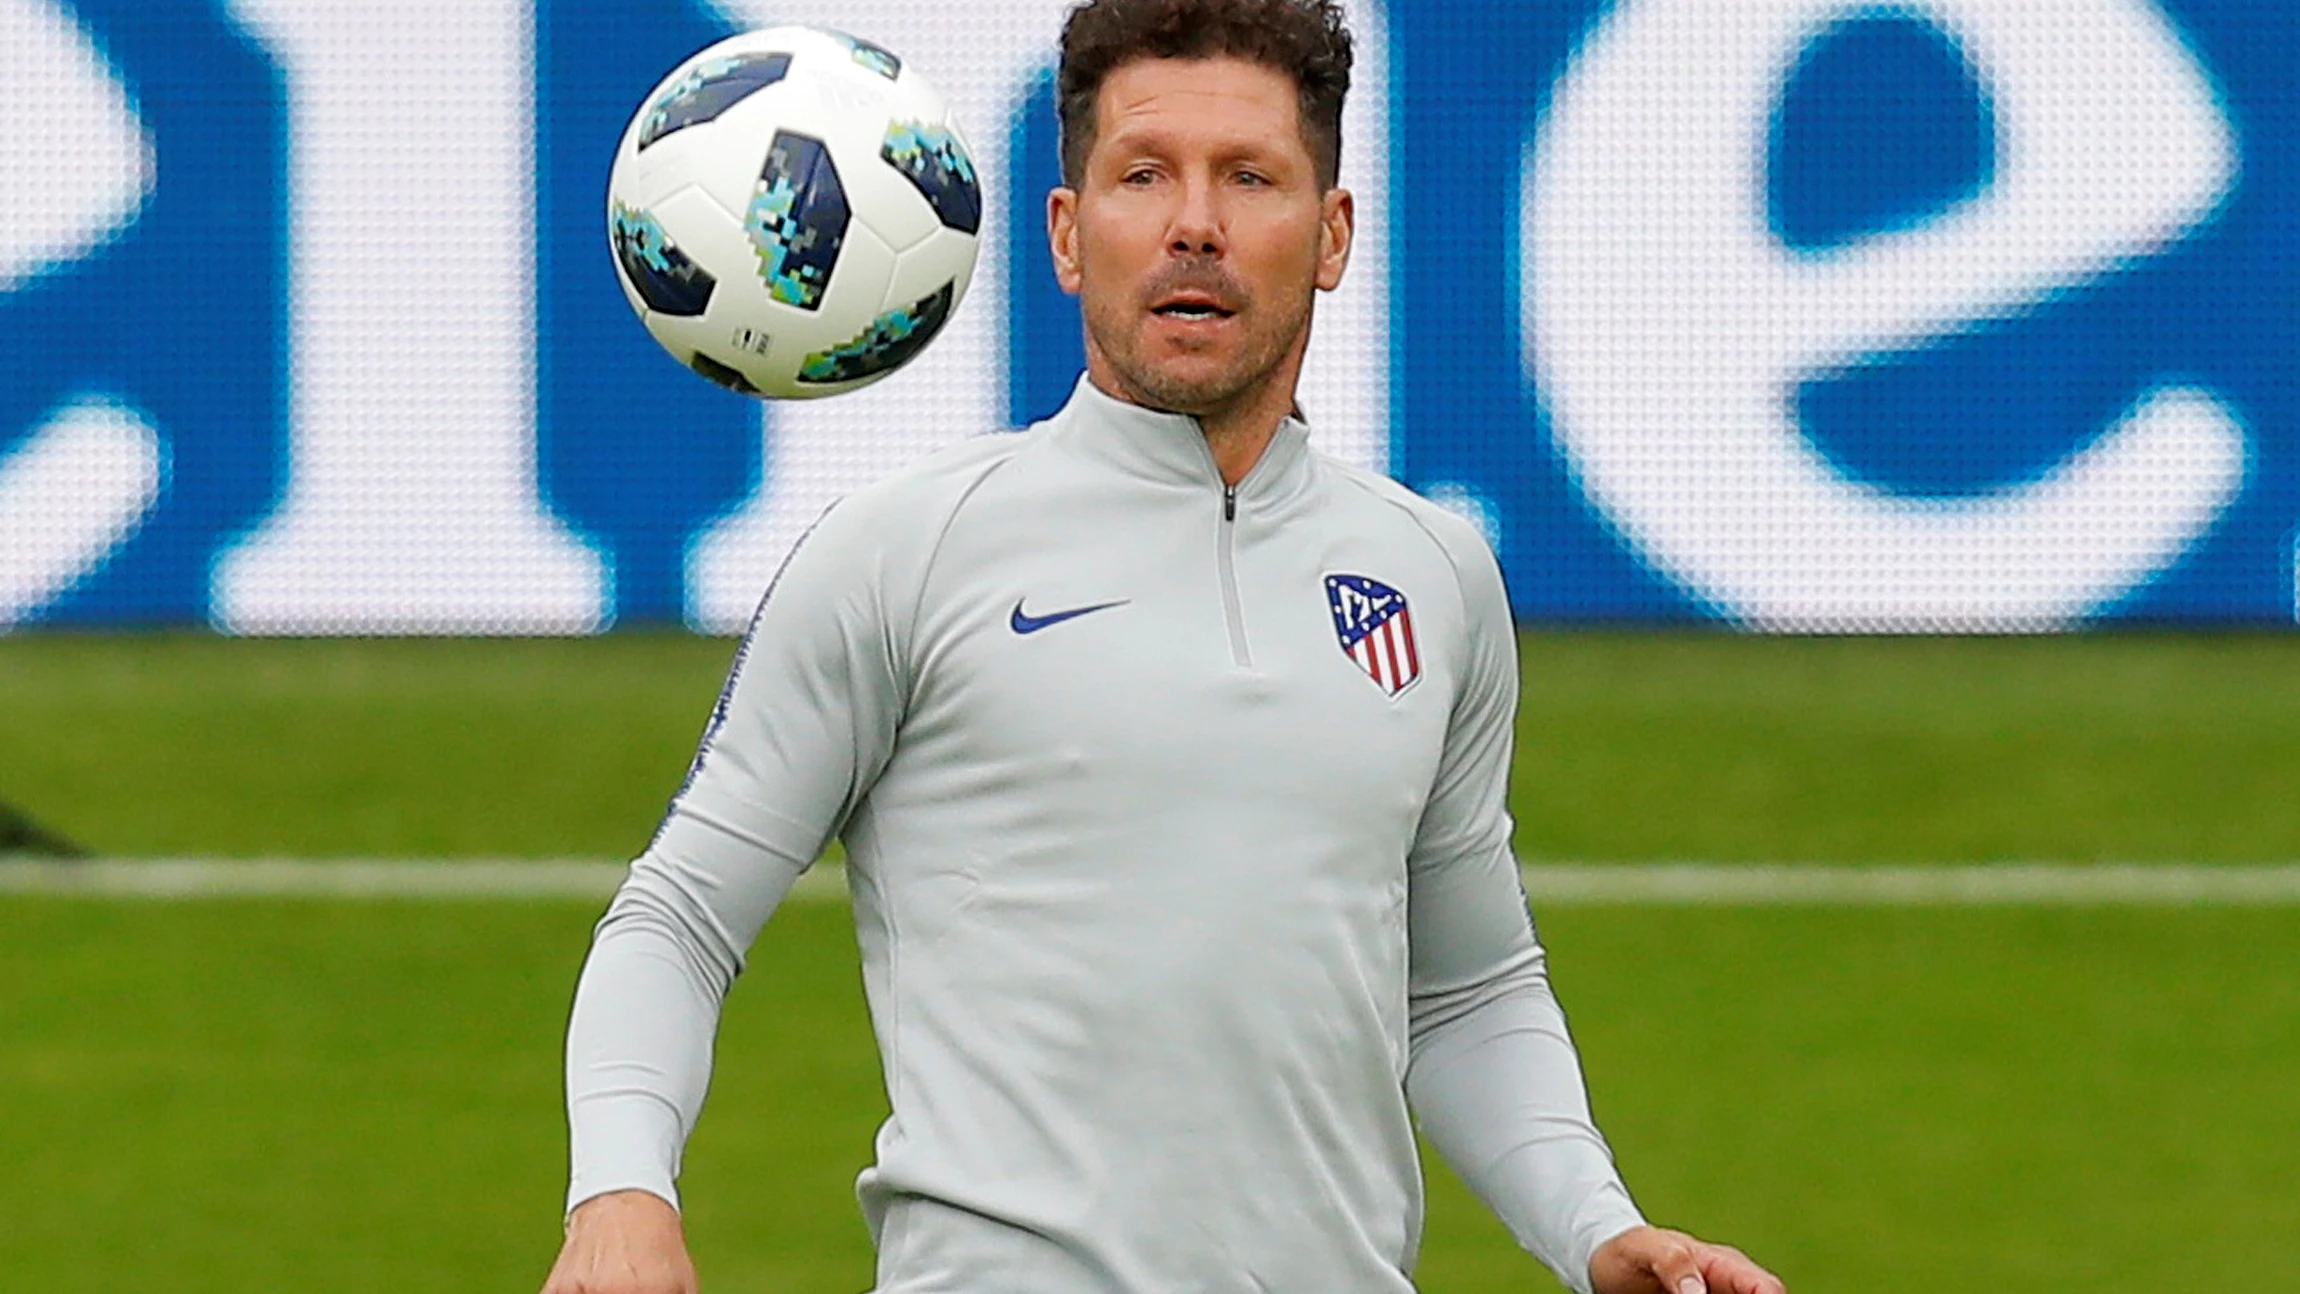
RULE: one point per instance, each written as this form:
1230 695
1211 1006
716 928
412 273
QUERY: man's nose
1197 227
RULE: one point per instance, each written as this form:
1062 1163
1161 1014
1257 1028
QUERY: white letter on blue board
412 503
1668 330
75 168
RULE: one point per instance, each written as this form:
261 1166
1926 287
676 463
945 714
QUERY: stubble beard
1119 330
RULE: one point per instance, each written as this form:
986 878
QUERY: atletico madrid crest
1376 630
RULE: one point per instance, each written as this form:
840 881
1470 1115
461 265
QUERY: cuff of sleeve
1563 1212
622 1143
577 1197
1606 1214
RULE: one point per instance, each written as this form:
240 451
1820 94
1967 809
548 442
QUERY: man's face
1196 234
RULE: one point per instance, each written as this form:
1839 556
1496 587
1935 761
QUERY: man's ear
1062 236
1337 225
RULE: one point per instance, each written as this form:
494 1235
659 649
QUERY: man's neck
1237 431
1237 442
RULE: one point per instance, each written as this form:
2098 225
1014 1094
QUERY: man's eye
1139 175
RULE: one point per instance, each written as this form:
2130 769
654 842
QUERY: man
1171 763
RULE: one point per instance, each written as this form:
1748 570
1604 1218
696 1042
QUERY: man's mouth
1191 306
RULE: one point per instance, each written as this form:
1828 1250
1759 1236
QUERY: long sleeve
805 722
1492 1073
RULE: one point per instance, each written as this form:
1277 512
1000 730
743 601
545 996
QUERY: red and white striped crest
1376 630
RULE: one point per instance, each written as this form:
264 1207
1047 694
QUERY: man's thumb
1678 1272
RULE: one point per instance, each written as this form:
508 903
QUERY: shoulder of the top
1462 542
935 486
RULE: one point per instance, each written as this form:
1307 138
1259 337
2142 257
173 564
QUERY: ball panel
882 197
655 267
702 230
867 55
797 219
860 292
886 345
765 341
935 161
730 378
947 257
726 157
708 88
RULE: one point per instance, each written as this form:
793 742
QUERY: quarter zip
1239 654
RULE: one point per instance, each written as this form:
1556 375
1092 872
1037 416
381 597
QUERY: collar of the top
1171 448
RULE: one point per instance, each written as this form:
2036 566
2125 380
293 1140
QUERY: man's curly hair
1305 39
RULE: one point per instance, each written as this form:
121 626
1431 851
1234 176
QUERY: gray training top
1176 826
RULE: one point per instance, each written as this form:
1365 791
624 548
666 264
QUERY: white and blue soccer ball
793 213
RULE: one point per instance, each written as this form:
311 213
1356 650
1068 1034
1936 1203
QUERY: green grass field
243 1096
268 1095
1691 746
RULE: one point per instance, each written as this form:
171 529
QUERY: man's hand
623 1242
1649 1260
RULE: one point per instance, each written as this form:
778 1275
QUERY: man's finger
1729 1271
1647 1260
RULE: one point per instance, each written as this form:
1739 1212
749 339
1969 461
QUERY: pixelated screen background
1951 315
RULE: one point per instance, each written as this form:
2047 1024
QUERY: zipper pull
1229 503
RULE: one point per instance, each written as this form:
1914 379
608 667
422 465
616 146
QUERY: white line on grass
1915 885
200 878
1685 884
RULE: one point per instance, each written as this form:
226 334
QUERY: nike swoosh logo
1023 623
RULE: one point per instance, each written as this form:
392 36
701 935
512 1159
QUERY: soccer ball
793 213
